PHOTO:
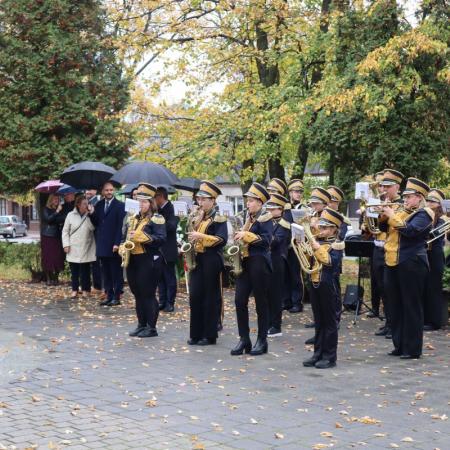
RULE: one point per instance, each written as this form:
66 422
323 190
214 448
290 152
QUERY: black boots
260 347
244 345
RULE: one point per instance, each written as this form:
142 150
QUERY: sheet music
131 206
362 190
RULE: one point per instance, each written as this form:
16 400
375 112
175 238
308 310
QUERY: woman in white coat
79 246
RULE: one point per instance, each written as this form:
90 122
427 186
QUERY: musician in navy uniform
318 201
256 236
406 267
324 291
432 306
295 284
147 231
337 197
278 250
205 290
390 188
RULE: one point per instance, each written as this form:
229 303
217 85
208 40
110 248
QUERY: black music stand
355 245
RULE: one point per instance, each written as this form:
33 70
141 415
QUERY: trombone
439 231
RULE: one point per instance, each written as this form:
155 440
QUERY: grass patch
13 273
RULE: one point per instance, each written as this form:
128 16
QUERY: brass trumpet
376 208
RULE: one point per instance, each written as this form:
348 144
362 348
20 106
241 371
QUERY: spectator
52 255
167 287
79 245
92 198
69 203
107 217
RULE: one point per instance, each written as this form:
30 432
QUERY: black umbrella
188 184
87 175
144 171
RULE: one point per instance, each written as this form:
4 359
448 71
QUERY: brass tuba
126 247
302 238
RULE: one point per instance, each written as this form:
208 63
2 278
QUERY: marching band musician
377 259
337 196
255 237
318 201
390 187
277 186
279 251
432 306
407 267
324 291
147 233
295 284
205 291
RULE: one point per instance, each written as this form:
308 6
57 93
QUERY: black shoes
310 325
382 331
147 332
274 332
388 334
429 328
409 356
287 306
114 302
169 308
395 353
310 362
310 341
260 347
319 363
135 332
373 314
192 341
105 302
207 341
296 309
324 364
243 346
161 307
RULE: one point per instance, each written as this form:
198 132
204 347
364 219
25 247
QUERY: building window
34 212
15 209
238 203
3 210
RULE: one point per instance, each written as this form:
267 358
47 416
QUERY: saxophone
126 247
234 252
187 248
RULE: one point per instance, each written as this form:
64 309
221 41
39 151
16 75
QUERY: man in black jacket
167 287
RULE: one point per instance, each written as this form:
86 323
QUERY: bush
25 256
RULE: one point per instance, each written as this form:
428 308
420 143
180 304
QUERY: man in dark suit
107 216
167 287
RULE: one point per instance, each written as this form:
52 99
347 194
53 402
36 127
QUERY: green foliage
446 280
62 90
26 256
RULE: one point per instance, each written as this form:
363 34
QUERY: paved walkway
72 378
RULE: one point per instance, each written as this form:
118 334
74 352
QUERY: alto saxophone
126 247
234 252
187 248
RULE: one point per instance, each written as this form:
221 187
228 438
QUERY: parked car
12 226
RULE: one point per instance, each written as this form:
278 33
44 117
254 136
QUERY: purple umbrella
49 186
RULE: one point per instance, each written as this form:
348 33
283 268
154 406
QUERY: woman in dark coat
52 253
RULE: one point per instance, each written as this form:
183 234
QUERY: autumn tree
62 90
